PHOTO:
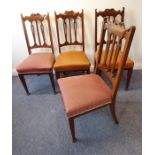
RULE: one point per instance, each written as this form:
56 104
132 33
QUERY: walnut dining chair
37 30
85 93
71 43
116 16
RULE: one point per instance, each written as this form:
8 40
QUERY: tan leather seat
72 61
129 62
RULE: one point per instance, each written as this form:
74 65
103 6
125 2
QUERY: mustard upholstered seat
72 61
129 63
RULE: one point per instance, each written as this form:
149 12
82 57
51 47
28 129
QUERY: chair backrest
106 15
116 35
37 30
70 29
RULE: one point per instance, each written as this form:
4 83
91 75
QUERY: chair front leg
129 74
52 82
22 79
72 129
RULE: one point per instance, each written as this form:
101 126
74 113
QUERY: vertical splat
75 30
115 55
107 49
70 30
112 49
33 33
65 29
37 22
43 33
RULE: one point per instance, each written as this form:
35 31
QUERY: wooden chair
70 33
116 16
38 36
85 93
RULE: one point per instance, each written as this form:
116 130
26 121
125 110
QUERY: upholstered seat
72 61
83 93
37 62
129 62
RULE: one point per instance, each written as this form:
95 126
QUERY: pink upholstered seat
37 62
83 93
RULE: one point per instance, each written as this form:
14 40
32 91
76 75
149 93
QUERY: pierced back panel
110 67
116 16
37 31
70 28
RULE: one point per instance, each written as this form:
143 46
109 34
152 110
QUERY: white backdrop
133 16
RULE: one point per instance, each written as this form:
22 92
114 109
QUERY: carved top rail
34 17
69 14
40 30
111 12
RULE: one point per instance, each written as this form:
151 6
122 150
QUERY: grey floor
41 128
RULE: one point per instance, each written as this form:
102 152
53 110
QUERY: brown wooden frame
113 75
37 18
68 29
106 15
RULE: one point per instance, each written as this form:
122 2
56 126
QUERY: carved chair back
106 15
116 34
37 31
70 29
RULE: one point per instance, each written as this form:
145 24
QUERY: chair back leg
129 74
57 75
88 71
52 82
